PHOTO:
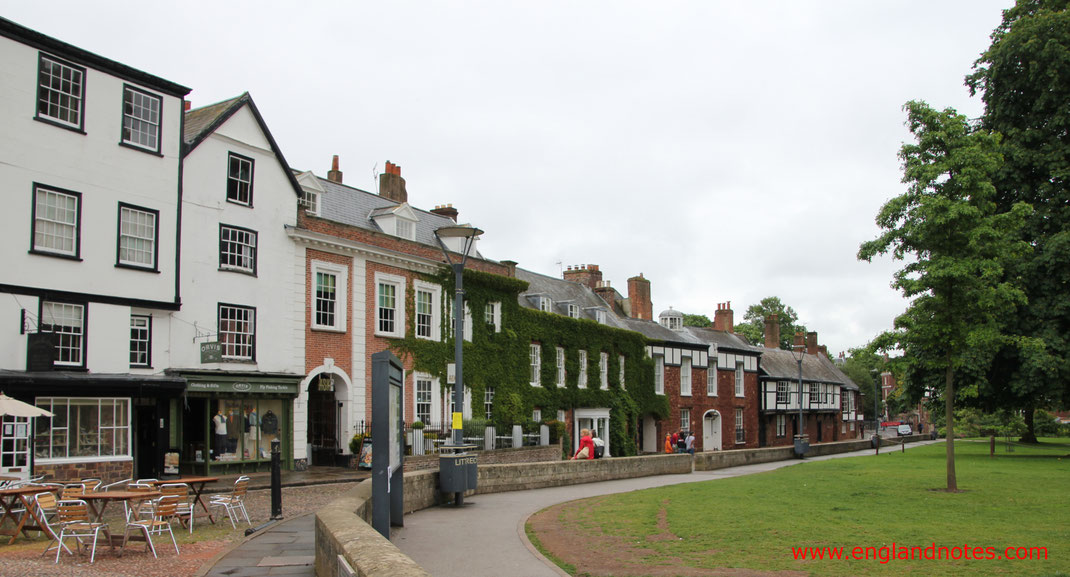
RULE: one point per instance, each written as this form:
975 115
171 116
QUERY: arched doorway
324 421
711 431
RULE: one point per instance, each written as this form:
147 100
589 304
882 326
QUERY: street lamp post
798 352
467 236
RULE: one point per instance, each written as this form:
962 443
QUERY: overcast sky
727 150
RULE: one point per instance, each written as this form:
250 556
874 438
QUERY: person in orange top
585 443
668 444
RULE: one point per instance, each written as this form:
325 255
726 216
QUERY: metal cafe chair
116 485
140 509
74 523
233 502
47 510
163 512
184 514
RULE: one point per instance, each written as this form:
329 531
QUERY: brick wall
699 403
323 344
106 471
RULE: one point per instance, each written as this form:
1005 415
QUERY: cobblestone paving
23 558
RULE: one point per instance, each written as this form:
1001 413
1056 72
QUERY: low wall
518 455
343 527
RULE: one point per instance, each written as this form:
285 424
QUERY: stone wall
343 526
517 455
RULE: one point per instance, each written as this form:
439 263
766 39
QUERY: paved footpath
484 538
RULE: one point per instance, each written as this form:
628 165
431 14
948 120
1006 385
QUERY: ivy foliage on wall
502 360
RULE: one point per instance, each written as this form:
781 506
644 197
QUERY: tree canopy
702 321
753 327
955 242
1024 81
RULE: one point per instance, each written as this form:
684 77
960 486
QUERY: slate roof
352 206
778 364
724 340
656 332
562 292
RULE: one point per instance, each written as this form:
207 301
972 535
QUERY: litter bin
457 472
802 445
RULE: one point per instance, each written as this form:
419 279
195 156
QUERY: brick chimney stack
723 318
446 210
334 175
800 342
811 343
585 274
639 298
772 331
186 105
604 290
391 185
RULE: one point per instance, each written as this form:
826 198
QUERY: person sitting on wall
586 448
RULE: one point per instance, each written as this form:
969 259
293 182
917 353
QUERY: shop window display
243 429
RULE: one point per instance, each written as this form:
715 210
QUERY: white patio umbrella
17 408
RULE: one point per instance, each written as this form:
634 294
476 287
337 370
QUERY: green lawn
1018 499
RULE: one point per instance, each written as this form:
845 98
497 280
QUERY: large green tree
955 242
1024 81
863 366
697 321
753 325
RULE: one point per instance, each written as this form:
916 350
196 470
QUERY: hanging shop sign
211 352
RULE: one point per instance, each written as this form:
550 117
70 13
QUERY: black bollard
276 479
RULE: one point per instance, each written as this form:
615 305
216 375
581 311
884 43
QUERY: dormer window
600 316
546 305
405 229
310 201
573 311
399 221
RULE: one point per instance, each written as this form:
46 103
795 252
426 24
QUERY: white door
650 435
711 431
15 447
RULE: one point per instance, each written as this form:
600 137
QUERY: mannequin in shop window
220 425
251 424
269 425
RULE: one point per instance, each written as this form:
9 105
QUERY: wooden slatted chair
47 510
233 502
141 509
163 512
71 492
73 517
184 514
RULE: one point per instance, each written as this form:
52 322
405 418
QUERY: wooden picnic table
29 520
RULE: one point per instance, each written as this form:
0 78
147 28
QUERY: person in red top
675 439
585 443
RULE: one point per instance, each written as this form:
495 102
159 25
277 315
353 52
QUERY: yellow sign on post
457 420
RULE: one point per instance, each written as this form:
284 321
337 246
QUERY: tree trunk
949 412
1030 435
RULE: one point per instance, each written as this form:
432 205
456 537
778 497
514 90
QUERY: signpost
388 442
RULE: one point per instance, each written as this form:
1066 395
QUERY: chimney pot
334 175
187 105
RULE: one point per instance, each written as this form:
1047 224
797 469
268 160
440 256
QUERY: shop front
229 421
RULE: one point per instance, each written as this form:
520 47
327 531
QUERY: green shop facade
229 420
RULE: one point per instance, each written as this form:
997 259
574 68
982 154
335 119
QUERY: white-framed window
488 402
428 308
67 321
560 367
141 119
561 415
581 380
685 419
536 415
852 426
237 249
405 228
621 375
600 316
57 217
685 376
740 435
782 393
536 364
546 305
140 340
240 179
237 332
310 201
603 371
659 375
781 426
423 398
739 378
60 92
82 428
467 321
331 290
573 311
843 427
711 379
389 305
815 394
492 315
674 323
138 235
